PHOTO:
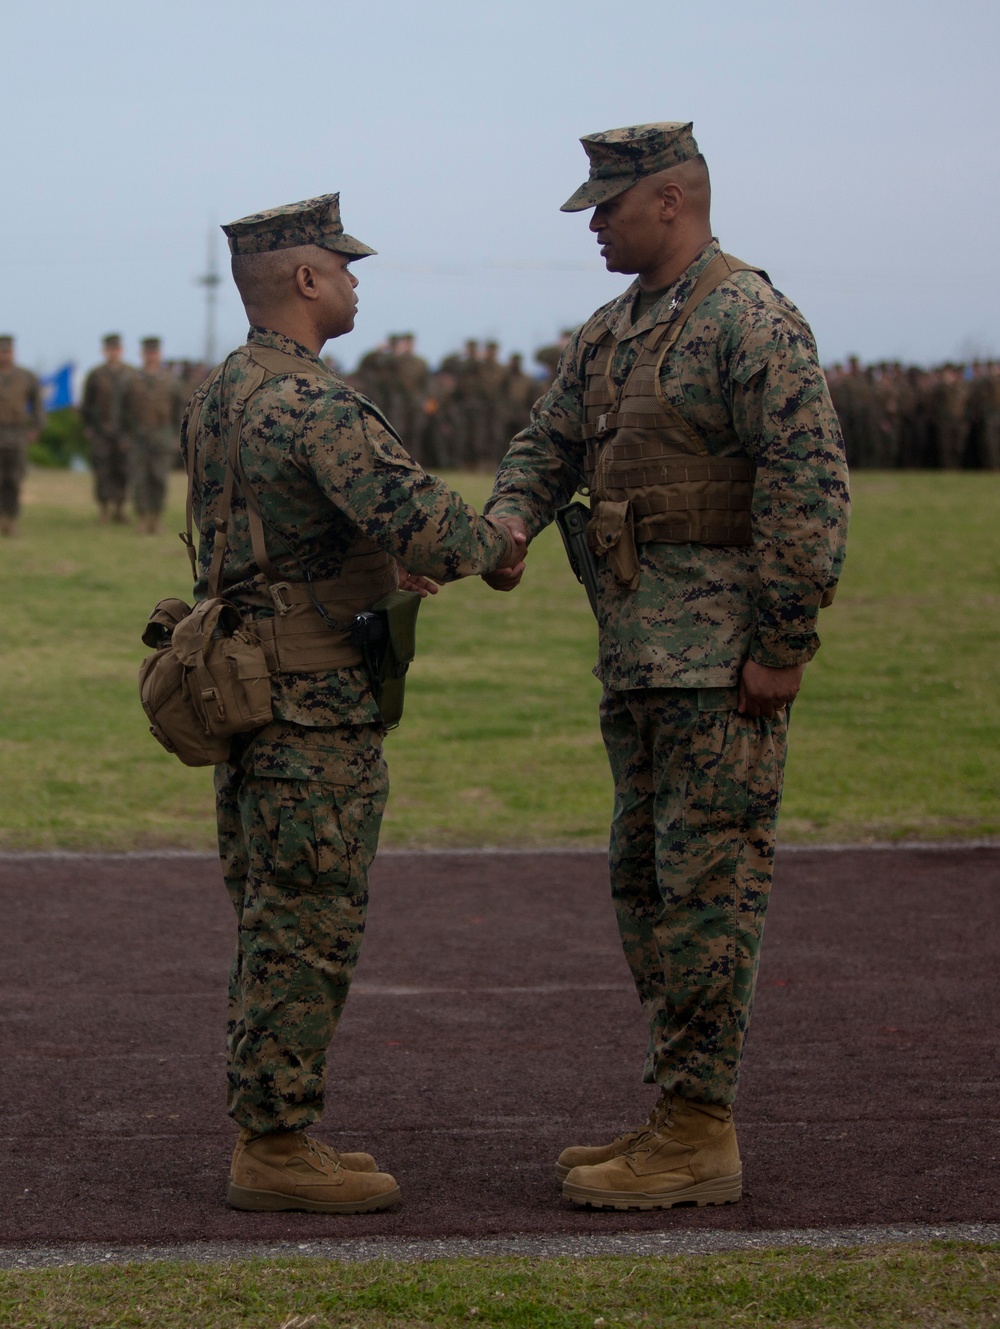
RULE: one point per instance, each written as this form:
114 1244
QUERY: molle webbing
650 474
309 631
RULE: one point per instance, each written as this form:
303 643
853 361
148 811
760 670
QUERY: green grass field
933 1286
895 735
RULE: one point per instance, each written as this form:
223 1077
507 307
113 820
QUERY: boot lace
327 1155
646 1136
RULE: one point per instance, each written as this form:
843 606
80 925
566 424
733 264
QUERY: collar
279 342
618 315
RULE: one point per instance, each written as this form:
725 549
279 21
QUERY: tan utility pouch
209 678
611 531
207 681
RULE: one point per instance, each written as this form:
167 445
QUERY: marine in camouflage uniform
518 394
101 412
300 801
22 417
409 387
719 499
152 406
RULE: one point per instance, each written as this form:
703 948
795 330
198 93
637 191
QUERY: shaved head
265 280
305 292
692 177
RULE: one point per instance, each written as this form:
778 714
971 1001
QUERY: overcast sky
853 150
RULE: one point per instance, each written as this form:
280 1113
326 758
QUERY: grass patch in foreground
932 1285
896 734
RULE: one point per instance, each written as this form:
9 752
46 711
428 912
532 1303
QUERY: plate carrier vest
648 471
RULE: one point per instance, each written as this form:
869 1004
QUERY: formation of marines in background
461 415
895 416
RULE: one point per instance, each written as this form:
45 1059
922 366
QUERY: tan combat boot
689 1157
583 1155
290 1170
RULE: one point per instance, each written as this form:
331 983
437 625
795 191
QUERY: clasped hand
505 578
509 574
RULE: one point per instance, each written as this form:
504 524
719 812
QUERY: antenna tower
211 282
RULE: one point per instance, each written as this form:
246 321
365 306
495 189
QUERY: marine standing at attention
101 412
694 410
22 418
341 508
152 406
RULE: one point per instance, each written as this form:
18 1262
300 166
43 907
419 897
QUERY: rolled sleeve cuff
508 540
781 652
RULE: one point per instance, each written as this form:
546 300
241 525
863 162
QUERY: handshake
503 579
508 576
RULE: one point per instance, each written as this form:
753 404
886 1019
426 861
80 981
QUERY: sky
852 146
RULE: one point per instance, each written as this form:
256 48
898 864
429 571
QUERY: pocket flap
316 763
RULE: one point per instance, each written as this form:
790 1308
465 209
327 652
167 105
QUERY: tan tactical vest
309 630
649 472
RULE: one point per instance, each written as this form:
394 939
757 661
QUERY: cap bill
346 244
592 193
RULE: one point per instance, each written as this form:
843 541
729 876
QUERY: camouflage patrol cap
150 343
314 221
6 340
620 157
111 340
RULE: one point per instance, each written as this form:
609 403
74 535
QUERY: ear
671 201
305 282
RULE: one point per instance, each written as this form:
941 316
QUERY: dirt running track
491 1023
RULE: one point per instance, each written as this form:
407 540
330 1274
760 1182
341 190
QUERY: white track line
675 1242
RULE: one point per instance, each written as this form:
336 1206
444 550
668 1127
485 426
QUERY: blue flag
58 388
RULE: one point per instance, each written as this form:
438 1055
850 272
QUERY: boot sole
720 1190
272 1202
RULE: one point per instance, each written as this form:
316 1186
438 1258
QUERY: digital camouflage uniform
101 412
300 802
21 417
152 406
409 385
697 786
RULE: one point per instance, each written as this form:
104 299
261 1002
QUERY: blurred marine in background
22 417
153 402
101 413
694 411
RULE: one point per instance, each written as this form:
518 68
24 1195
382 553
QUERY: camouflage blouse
745 374
326 468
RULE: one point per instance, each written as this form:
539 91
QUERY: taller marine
693 411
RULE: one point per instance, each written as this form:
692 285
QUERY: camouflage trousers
109 460
299 812
697 791
150 461
13 466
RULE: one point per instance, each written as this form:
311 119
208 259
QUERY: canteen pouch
386 636
208 680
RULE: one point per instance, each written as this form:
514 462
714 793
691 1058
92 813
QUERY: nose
597 220
354 280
